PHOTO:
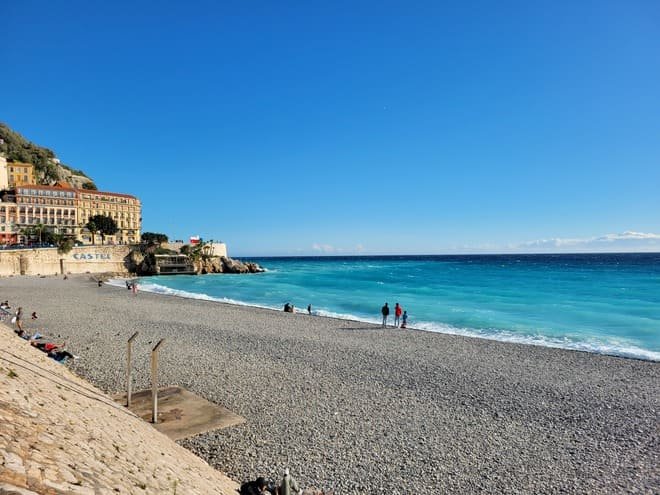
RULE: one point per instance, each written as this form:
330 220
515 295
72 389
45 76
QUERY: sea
601 303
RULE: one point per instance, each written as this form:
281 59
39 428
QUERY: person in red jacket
397 315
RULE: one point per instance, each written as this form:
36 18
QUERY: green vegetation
154 237
18 149
93 229
103 225
196 252
161 250
64 244
90 186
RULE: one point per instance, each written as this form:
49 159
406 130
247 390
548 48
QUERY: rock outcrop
141 263
223 264
144 264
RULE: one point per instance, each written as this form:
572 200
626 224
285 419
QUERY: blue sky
289 128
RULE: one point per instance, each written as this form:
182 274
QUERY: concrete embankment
60 434
47 261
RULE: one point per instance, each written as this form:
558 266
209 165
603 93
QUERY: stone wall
47 261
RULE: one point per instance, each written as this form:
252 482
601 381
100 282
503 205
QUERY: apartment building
126 211
19 174
53 207
8 228
66 211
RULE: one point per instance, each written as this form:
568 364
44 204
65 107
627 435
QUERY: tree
90 186
64 243
154 237
39 228
93 229
104 225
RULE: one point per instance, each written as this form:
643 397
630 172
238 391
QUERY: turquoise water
599 303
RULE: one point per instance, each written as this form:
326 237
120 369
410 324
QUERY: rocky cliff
144 264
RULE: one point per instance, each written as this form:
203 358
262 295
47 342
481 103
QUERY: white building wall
4 176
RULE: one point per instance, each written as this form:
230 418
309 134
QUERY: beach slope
60 434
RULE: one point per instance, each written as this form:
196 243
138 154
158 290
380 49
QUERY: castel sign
91 256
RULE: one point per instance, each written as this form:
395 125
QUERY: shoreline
636 353
360 409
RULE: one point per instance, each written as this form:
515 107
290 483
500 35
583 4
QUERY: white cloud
324 248
629 240
330 249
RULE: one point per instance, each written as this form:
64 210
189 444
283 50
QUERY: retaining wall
47 261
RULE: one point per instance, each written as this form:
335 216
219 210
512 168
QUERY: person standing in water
404 319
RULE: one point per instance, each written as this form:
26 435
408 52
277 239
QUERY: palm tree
27 232
39 228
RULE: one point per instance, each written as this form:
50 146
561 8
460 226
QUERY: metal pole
129 369
154 382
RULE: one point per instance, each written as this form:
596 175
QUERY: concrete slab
181 413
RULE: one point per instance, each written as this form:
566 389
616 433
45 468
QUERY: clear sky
368 127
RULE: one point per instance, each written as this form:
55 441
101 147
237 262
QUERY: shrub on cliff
18 149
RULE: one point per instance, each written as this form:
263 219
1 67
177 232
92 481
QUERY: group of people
54 351
400 316
260 486
131 285
290 308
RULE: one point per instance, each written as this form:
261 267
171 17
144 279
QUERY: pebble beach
351 408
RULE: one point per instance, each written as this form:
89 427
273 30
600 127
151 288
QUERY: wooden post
154 382
129 369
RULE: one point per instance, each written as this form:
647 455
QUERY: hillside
48 168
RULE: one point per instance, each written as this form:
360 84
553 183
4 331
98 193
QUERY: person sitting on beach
23 335
289 308
61 355
129 285
34 315
257 487
5 305
404 319
47 346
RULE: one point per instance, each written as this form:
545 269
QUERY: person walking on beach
397 315
288 485
404 319
385 310
134 288
309 309
19 318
